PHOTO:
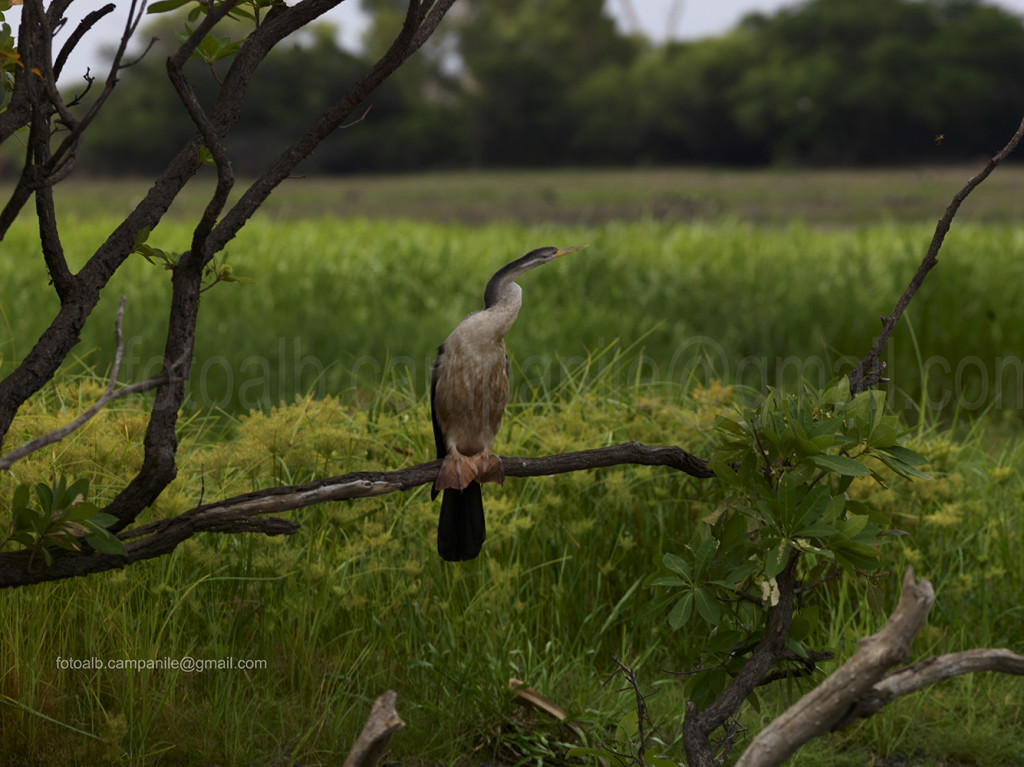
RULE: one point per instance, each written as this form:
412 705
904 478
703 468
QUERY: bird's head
506 276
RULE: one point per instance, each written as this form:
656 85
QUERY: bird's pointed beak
567 251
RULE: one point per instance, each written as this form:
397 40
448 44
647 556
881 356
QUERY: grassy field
341 302
757 283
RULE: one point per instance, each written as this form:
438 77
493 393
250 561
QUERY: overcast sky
657 19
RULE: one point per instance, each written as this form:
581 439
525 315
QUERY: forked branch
864 684
110 394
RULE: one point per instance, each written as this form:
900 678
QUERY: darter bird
469 389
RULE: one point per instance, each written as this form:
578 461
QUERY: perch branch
868 371
366 484
247 512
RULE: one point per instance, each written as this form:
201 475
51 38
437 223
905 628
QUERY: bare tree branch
176 73
868 372
81 293
418 26
247 512
81 30
109 395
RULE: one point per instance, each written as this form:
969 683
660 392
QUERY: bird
469 388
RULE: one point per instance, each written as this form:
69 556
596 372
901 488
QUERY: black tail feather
460 527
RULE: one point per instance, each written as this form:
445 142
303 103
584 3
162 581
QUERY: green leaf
876 600
905 455
707 606
905 470
163 6
730 426
725 641
703 554
106 543
669 580
741 573
21 497
855 554
80 487
837 393
681 611
840 464
659 761
104 520
733 533
724 471
26 539
854 525
626 728
799 628
815 506
704 687
817 529
654 608
797 647
45 495
843 484
754 701
676 564
775 562
884 433
598 752
80 512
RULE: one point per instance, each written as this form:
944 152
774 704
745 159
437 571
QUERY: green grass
357 602
339 301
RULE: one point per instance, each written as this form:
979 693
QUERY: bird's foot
457 471
489 468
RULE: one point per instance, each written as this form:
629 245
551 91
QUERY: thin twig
868 371
110 394
80 31
641 708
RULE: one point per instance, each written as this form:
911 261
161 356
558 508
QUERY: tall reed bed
339 301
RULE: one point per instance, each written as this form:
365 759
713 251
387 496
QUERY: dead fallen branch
931 671
384 722
864 684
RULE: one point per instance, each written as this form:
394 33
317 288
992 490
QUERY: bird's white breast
472 381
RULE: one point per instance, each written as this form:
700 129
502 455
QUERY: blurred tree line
554 82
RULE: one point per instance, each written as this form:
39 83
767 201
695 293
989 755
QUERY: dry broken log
863 685
384 722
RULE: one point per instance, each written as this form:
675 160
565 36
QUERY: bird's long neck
503 309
